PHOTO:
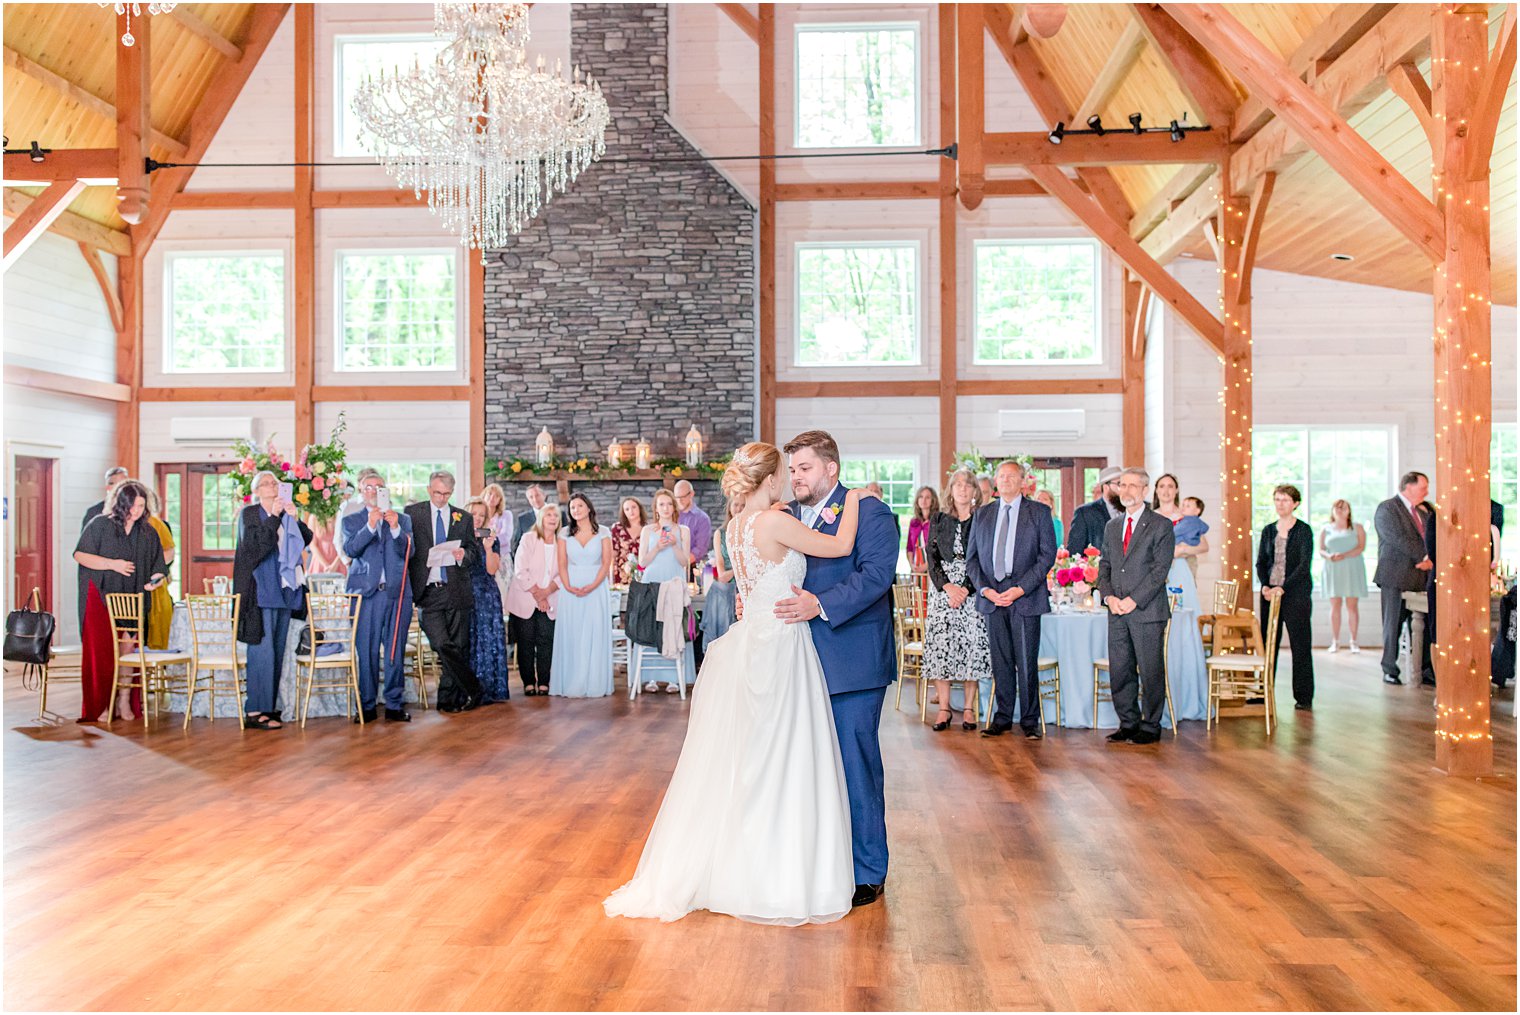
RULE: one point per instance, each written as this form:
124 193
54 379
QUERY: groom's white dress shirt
810 513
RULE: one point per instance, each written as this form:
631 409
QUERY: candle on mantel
614 454
693 447
641 454
545 447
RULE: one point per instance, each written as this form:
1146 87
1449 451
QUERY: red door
201 506
34 529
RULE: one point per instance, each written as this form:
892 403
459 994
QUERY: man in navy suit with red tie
1011 551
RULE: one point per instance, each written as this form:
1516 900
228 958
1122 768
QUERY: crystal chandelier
135 11
488 136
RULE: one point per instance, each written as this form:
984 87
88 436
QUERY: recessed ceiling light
1341 257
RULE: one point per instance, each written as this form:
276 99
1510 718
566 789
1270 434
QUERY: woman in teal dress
665 552
582 666
1342 545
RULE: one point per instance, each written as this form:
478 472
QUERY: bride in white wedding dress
756 821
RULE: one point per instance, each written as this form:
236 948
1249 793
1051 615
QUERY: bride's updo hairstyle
751 465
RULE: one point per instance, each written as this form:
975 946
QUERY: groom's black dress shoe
397 715
867 894
370 715
1122 734
997 729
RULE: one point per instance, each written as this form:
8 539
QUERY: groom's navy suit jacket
855 645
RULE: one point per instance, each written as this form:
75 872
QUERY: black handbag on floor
29 634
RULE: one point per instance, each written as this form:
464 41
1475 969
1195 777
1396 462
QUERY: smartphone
288 493
482 533
383 500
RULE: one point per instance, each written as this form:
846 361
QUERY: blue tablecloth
1181 577
1077 638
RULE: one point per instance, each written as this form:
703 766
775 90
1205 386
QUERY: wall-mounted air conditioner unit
1064 424
210 431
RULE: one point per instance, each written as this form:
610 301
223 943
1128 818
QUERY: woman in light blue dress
582 666
1342 545
665 552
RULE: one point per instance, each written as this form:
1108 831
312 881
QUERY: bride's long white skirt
756 821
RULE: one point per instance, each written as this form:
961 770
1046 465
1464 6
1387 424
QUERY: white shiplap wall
55 319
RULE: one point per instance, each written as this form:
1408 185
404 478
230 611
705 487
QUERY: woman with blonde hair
665 553
532 600
160 600
756 821
956 645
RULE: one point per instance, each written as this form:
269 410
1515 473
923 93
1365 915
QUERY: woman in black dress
1283 561
118 551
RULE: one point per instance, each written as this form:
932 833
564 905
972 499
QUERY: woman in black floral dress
955 639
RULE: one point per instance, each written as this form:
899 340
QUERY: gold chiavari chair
1050 688
908 604
213 633
1103 689
1226 595
333 621
127 624
1241 676
419 660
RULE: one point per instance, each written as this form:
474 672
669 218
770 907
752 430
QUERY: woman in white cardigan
531 599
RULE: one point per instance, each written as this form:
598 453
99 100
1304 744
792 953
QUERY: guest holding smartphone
266 573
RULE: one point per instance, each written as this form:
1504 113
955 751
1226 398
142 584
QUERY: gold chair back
334 620
1226 595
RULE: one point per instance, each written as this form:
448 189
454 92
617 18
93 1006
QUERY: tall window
359 58
224 312
397 311
857 304
898 478
857 86
408 481
1037 301
1326 465
1504 482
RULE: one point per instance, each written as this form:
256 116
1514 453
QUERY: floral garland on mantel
591 468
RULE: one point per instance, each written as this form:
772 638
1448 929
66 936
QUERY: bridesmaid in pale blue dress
582 666
665 552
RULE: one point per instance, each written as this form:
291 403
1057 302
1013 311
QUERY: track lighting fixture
1057 134
1176 132
1134 124
1095 124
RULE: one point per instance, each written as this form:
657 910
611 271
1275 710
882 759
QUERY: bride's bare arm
789 532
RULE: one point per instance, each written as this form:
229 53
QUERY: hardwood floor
460 862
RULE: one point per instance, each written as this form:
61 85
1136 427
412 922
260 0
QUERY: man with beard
1089 520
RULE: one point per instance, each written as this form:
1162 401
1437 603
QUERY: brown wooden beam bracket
108 288
1406 81
744 18
38 217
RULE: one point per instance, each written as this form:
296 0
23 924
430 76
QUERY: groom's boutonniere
831 512
457 516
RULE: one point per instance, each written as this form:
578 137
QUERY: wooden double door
201 505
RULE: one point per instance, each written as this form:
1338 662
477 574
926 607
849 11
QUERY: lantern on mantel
641 455
614 454
693 447
545 448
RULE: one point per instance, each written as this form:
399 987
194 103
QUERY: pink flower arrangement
247 466
1092 553
1063 554
317 483
1066 576
1090 574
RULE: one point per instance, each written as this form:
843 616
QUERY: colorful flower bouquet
1074 576
316 476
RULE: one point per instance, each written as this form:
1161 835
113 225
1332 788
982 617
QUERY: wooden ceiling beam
1121 60
209 114
1485 115
1116 238
1160 204
1328 41
1022 148
970 103
1206 84
173 146
193 24
876 190
1003 25
74 227
66 384
1347 85
37 218
61 164
744 18
1346 151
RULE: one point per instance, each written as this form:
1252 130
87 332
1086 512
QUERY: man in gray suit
1137 554
1402 563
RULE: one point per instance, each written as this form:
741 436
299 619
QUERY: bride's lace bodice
761 582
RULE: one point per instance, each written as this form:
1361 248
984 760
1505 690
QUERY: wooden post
767 239
132 123
1240 221
128 358
949 366
1463 348
304 273
1136 304
970 101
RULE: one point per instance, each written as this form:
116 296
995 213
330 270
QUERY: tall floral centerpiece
1074 576
318 485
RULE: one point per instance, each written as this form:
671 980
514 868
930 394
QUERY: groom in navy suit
1011 550
848 602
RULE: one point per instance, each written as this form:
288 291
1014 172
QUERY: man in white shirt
445 593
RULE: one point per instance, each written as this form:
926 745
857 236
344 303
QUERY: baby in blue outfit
1191 526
